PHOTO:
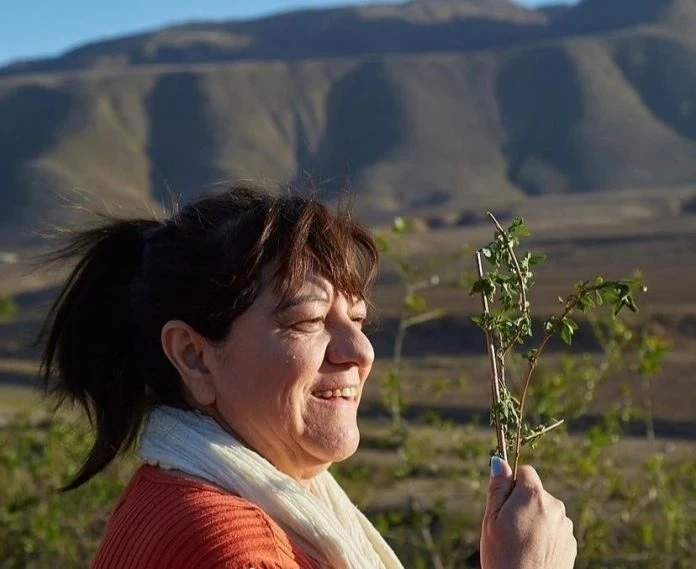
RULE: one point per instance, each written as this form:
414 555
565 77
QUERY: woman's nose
350 345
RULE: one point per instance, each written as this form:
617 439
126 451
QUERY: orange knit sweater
163 521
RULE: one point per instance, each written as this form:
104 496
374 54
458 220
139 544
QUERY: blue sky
38 28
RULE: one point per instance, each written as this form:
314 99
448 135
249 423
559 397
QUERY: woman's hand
524 526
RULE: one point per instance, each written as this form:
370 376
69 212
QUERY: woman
227 340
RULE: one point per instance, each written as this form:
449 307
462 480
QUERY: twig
506 328
527 378
568 310
495 379
426 534
543 431
524 306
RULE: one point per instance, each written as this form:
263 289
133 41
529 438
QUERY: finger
499 487
569 527
527 476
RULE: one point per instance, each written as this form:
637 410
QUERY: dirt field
611 234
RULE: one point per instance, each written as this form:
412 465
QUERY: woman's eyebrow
302 299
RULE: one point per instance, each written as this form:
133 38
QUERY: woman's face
288 379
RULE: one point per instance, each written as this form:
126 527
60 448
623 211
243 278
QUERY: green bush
8 307
40 526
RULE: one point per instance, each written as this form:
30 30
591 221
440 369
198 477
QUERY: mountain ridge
408 130
599 16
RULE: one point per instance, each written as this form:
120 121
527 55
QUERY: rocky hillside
427 104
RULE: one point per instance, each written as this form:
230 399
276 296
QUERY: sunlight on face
289 378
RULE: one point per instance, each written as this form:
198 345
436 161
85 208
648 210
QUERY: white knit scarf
321 519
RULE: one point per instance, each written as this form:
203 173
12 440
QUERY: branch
527 379
524 305
571 303
424 317
543 431
425 531
493 359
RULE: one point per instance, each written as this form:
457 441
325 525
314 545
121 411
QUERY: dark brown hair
203 266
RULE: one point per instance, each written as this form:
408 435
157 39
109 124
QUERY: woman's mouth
346 393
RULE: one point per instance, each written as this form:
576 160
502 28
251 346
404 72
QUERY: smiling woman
287 377
226 343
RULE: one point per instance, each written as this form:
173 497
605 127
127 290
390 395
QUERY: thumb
499 487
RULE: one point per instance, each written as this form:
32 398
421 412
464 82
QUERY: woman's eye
309 324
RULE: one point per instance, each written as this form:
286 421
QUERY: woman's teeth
345 392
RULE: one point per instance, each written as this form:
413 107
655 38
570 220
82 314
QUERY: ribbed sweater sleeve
166 522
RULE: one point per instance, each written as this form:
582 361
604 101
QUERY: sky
44 28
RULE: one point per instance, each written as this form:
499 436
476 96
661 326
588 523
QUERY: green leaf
530 355
415 302
566 334
484 285
537 259
477 287
586 302
484 321
400 226
568 328
518 229
598 300
620 296
382 243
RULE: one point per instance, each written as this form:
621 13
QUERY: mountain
424 105
416 26
597 16
552 11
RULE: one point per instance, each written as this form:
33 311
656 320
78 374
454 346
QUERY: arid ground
612 234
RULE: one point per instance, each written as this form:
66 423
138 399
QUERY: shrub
8 307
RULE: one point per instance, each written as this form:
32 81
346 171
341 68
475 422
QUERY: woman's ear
187 349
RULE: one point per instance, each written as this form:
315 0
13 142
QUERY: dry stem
495 378
543 431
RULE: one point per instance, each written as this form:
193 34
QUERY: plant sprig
507 322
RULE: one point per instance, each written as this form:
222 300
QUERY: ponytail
90 334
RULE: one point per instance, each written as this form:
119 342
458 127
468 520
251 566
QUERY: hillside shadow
663 73
304 156
31 118
182 146
539 96
596 16
601 16
364 123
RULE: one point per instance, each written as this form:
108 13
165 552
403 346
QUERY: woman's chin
336 448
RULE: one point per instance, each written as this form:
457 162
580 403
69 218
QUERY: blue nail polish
496 466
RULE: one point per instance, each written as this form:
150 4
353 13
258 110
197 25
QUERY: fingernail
496 466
